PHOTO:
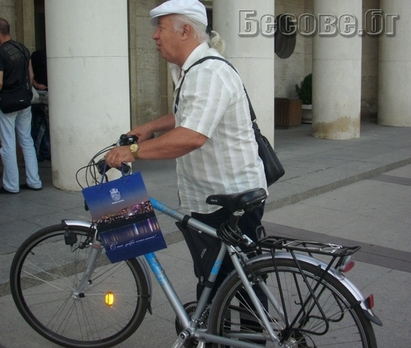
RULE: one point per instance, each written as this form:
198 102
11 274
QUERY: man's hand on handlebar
142 132
121 153
115 157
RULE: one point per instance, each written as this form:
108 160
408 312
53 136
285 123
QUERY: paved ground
355 192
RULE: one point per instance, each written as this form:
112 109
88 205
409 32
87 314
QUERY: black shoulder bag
273 168
19 99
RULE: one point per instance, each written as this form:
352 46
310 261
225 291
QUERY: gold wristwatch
134 149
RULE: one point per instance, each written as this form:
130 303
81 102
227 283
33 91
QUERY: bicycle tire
44 272
231 316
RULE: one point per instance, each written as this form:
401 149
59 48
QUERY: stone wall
148 71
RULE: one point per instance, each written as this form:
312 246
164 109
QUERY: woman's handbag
273 168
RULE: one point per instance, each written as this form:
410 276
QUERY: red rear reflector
370 301
347 264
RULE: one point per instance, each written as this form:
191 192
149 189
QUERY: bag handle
252 113
106 168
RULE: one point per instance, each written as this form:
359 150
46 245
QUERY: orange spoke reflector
109 299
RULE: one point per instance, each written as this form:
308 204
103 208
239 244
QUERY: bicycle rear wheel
44 273
336 320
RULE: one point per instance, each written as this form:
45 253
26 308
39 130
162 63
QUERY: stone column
394 102
88 77
337 69
248 29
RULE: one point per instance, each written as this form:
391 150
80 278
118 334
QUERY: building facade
105 74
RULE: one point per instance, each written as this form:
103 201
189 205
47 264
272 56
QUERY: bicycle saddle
246 200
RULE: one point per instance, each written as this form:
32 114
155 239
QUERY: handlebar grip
103 167
126 139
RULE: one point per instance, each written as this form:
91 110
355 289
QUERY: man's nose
155 35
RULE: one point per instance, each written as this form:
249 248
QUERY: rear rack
310 247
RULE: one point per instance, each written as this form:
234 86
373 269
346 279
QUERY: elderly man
210 131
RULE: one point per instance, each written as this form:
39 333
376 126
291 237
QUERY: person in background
39 64
15 76
40 130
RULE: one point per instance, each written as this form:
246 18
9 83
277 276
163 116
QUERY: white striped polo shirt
213 102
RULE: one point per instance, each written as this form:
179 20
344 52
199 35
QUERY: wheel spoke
333 319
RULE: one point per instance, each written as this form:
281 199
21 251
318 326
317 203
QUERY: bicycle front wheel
335 319
48 267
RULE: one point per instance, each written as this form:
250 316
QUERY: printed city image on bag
125 217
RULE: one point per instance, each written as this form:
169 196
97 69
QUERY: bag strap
27 59
252 113
19 48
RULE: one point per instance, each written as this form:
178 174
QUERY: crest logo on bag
115 194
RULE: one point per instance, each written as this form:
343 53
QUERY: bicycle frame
190 324
173 298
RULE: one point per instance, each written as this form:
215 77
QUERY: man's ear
186 31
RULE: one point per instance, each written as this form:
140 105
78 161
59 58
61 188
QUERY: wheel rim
234 317
46 275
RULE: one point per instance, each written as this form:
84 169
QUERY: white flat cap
193 9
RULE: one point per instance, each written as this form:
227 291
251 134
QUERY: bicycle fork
94 254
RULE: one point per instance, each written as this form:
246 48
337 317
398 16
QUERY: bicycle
279 294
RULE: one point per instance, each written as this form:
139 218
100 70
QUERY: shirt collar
197 53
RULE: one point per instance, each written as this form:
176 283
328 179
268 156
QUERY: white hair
217 42
200 32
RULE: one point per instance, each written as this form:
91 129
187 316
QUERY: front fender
80 223
333 272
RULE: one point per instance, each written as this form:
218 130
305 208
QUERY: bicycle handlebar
124 140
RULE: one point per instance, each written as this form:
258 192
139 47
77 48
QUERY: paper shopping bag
125 218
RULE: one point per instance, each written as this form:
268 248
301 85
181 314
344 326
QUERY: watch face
133 147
